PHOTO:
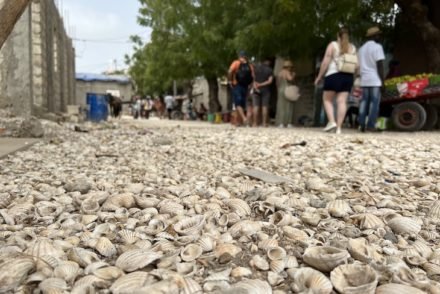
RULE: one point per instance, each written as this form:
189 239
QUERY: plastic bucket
218 118
211 117
97 107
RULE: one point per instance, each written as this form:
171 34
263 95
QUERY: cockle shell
404 225
239 206
131 282
339 208
105 247
5 200
397 289
431 269
423 248
219 276
46 208
129 237
82 256
316 184
281 218
115 202
190 226
276 253
53 285
246 228
369 221
207 243
360 249
325 258
241 272
434 212
259 263
145 200
226 248
43 247
308 280
252 287
267 244
295 234
191 252
67 271
13 271
133 260
291 262
277 266
354 279
108 273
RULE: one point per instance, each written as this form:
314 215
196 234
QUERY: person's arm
231 73
325 63
267 82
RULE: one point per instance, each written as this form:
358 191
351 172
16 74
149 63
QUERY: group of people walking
341 65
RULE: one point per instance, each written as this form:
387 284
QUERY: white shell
133 260
397 289
190 226
339 208
276 253
191 252
354 279
404 225
259 263
252 287
325 258
308 280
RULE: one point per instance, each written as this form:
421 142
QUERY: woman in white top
336 83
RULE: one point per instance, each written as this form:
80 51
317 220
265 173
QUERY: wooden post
10 13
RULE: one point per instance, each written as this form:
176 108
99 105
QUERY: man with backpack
240 77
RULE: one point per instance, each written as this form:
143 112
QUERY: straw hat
373 31
287 63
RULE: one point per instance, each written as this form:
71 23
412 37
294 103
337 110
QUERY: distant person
240 77
169 104
393 70
148 107
286 77
261 92
371 59
336 84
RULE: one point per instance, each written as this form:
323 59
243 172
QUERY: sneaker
338 131
330 126
289 126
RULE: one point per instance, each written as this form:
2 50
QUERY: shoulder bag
347 62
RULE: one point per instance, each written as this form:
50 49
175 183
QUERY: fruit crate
390 96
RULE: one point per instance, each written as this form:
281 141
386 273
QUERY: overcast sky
101 29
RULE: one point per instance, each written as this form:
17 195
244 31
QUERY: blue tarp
90 77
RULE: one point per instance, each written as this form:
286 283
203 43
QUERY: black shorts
339 82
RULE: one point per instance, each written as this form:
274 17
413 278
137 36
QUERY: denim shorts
240 93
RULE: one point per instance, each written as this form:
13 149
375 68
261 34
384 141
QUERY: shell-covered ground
166 207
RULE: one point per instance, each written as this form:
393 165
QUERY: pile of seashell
129 210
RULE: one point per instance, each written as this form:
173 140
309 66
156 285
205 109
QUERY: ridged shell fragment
404 225
190 226
133 260
308 280
191 252
397 289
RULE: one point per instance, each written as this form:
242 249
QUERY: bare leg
256 110
241 114
341 100
265 116
249 113
328 105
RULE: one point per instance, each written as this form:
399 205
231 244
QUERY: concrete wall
43 80
82 88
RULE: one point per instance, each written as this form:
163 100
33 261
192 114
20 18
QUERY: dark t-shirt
262 74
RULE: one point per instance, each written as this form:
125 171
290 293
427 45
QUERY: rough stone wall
44 79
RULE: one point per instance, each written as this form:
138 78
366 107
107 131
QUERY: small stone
31 128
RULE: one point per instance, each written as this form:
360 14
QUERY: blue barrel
97 105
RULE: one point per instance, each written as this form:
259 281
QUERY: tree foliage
201 37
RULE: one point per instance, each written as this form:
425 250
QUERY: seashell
404 225
277 266
89 282
281 218
207 243
311 218
186 268
155 226
415 260
171 208
43 247
88 219
190 226
267 244
131 282
115 202
274 279
276 253
90 206
354 278
14 271
339 208
187 286
108 273
53 285
5 200
185 240
46 208
295 234
429 235
360 250
245 228
241 272
369 221
219 276
145 201
308 280
105 247
325 258
217 286
129 237
431 269
291 262
260 263
223 220
423 248
233 218
397 288
239 206
133 260
316 184
67 271
252 287
82 256
191 252
434 212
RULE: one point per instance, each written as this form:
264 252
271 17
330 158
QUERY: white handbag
292 93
